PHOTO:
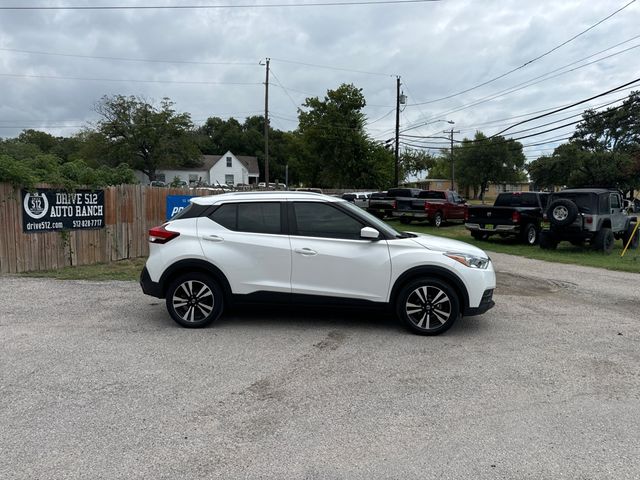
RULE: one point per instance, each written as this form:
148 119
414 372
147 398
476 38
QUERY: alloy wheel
428 307
193 301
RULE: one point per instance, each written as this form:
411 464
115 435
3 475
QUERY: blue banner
176 203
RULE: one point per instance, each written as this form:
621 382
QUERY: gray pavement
96 382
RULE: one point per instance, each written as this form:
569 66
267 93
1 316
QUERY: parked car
518 214
158 183
434 206
361 199
311 249
382 204
592 215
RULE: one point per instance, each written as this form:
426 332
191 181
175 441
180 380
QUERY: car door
618 217
329 257
455 207
246 240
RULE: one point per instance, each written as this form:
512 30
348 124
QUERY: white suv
306 247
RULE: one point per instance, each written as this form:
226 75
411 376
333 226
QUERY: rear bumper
477 227
485 304
150 287
411 214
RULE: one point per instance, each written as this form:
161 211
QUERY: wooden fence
130 211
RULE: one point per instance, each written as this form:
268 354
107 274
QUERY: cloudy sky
55 64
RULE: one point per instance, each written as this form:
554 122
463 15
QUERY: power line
329 67
295 105
531 82
568 106
527 62
126 59
126 80
213 7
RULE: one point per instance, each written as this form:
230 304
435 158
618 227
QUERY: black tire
428 306
405 221
530 234
479 235
194 300
604 241
437 220
562 212
627 235
548 240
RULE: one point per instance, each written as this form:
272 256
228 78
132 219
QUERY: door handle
307 252
213 238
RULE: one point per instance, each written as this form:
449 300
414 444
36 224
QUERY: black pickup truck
382 204
513 214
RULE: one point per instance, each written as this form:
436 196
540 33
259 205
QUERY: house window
228 179
228 162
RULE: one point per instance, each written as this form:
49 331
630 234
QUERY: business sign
49 210
176 203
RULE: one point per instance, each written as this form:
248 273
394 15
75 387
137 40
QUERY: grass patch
566 253
121 270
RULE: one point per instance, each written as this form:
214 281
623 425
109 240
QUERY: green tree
144 136
483 160
414 162
334 150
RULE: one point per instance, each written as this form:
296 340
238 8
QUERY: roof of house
208 161
250 163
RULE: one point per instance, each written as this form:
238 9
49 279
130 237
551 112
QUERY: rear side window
517 200
258 217
432 194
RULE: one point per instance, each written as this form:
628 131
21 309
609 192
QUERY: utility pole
397 147
451 132
266 127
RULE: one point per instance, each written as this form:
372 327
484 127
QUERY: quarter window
323 220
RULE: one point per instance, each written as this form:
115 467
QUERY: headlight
467 260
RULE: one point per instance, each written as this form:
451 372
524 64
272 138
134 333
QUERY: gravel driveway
97 382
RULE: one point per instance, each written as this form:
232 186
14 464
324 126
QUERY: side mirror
369 233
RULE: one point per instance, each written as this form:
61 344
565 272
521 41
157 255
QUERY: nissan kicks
307 247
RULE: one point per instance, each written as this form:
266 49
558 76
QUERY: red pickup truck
432 205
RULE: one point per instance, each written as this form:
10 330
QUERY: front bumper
485 304
150 287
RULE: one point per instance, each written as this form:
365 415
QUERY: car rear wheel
428 306
437 220
530 234
604 240
194 300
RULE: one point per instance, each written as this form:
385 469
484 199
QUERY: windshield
374 221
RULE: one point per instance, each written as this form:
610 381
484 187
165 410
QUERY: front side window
322 220
254 217
615 201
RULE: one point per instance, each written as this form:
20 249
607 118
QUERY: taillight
426 206
589 219
466 214
515 217
161 234
394 205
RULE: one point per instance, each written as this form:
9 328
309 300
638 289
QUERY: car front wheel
428 306
194 300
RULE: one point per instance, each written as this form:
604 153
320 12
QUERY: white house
227 169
